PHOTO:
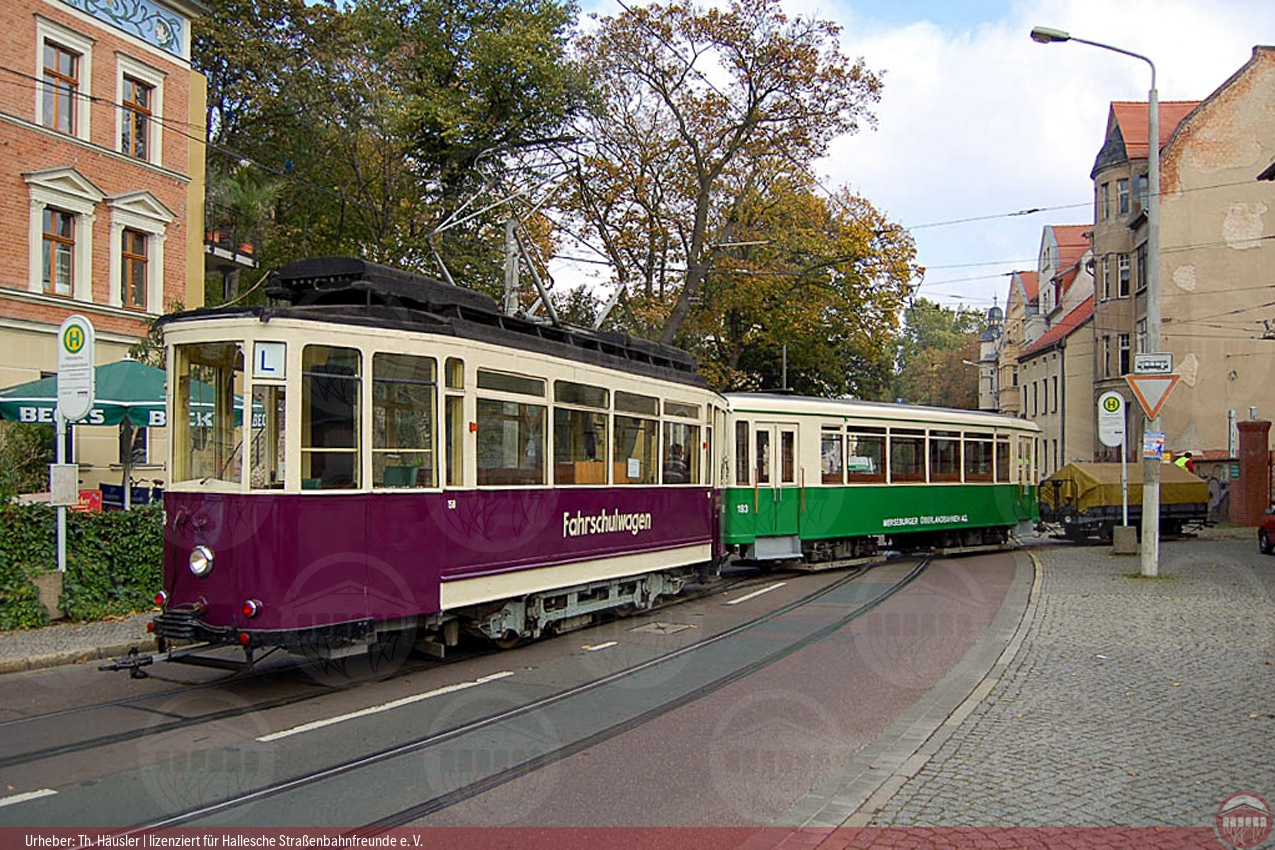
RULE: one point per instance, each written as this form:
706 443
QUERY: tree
935 342
699 107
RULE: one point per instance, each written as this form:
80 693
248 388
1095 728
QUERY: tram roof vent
326 281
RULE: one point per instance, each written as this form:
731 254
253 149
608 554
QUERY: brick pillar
1253 496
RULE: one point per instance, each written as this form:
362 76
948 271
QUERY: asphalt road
734 732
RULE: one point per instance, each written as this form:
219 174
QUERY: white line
598 646
757 593
377 709
27 795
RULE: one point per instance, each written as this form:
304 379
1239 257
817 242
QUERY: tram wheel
508 640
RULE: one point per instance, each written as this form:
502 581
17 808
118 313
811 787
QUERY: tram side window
865 455
511 434
945 456
831 459
269 437
788 457
208 400
331 386
455 427
404 404
579 436
633 451
681 453
762 455
978 457
741 453
907 455
1002 461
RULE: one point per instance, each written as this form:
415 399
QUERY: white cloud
983 120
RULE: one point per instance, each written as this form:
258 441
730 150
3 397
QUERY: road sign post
1152 390
76 393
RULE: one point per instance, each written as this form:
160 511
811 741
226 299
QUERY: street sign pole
76 394
1111 433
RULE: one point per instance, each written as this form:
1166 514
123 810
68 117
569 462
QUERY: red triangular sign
1151 391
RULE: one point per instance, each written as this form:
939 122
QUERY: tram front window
331 378
207 403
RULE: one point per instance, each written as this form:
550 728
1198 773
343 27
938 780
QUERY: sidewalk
73 643
1131 702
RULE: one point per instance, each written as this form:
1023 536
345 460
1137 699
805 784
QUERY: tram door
775 473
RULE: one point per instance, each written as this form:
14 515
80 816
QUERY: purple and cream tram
379 453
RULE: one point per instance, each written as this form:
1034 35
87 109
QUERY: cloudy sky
977 120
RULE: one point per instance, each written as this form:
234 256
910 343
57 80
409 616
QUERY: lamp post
1151 466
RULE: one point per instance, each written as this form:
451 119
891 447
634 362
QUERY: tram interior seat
401 476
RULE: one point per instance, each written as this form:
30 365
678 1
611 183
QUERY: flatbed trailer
1084 499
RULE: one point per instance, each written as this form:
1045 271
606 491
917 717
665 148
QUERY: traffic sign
1151 391
1153 364
76 376
1111 419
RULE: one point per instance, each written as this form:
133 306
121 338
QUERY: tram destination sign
1153 364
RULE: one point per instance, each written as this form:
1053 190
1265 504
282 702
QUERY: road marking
25 796
377 709
757 593
598 646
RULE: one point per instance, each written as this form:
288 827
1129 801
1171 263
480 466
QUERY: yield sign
1152 390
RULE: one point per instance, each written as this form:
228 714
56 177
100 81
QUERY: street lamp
1151 466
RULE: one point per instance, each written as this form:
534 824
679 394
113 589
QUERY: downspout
1062 400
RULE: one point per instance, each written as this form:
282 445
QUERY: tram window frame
681 410
1003 460
743 456
529 442
863 435
977 459
829 474
637 404
348 408
268 470
511 382
644 429
580 410
684 435
915 471
190 435
399 397
945 467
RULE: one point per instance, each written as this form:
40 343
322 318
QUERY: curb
893 781
73 656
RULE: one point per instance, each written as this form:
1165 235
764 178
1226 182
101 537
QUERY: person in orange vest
1185 462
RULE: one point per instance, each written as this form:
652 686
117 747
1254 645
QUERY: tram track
438 803
315 691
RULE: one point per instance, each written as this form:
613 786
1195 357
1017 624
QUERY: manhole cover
662 628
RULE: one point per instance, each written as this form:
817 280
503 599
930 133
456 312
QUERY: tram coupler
133 663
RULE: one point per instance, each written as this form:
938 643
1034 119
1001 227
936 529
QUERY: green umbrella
125 390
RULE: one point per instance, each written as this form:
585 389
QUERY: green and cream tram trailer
825 479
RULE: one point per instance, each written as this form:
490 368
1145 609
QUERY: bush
114 561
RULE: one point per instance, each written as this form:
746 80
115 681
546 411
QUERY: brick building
101 185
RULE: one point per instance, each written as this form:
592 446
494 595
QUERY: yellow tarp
1090 485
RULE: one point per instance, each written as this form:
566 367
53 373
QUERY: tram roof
779 403
349 291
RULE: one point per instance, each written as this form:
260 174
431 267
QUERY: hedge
114 562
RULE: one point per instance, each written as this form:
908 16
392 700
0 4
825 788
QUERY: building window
1141 191
1142 267
1142 336
1106 277
1106 356
1014 376
1122 195
1124 276
1044 389
58 257
63 68
1123 341
1055 394
133 277
61 85
137 117
1106 201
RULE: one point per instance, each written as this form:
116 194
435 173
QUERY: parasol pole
126 426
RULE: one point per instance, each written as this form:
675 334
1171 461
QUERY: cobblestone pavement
1132 702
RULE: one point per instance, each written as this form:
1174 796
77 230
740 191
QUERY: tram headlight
201 561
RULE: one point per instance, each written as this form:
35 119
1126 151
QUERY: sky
977 121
